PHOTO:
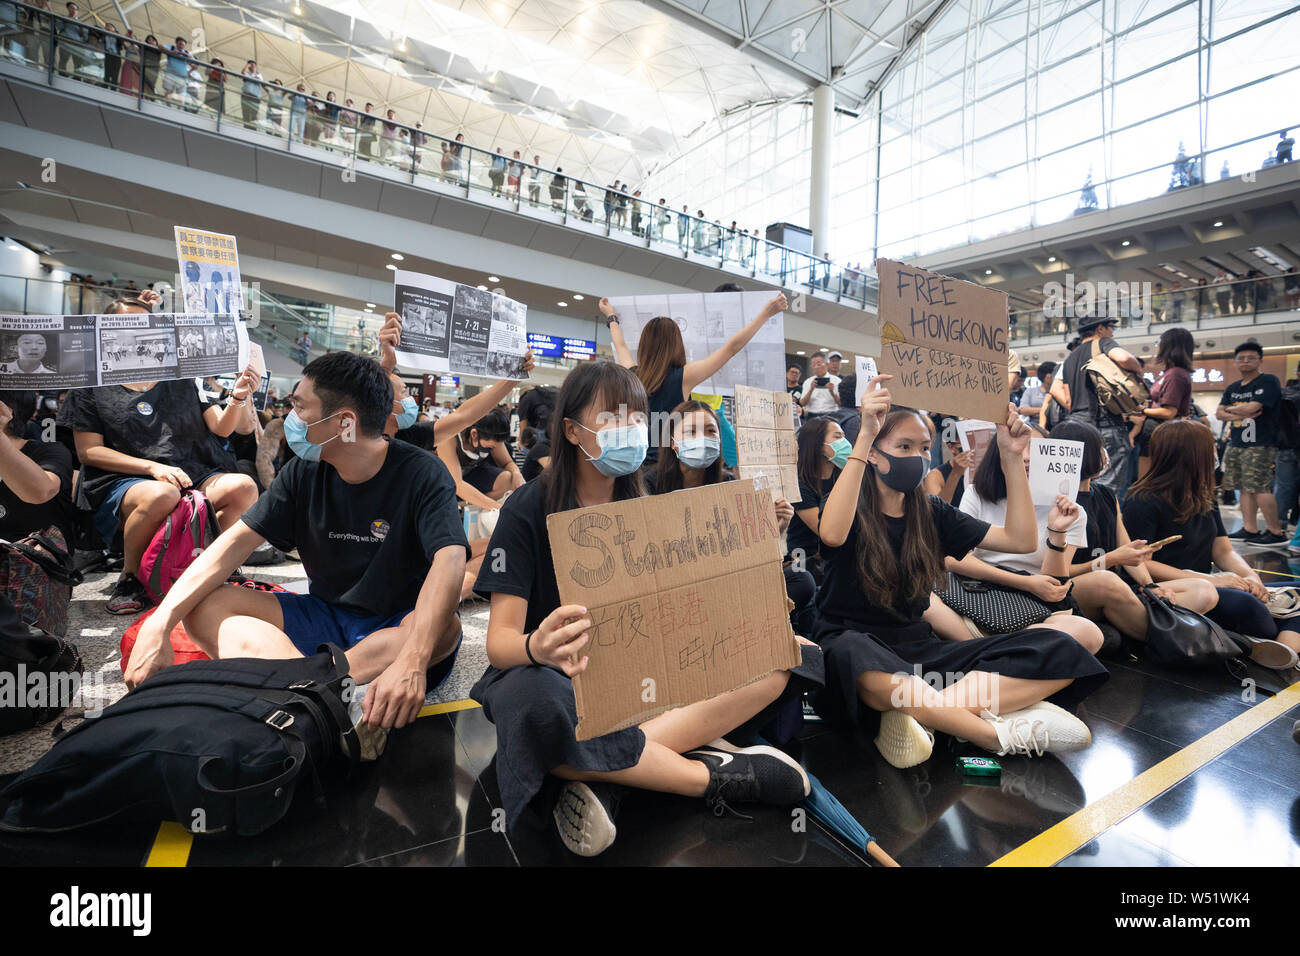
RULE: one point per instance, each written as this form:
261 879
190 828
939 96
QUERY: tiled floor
431 799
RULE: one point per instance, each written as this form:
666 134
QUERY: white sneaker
1038 729
902 741
584 816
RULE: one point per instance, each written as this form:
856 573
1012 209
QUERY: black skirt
1032 654
536 720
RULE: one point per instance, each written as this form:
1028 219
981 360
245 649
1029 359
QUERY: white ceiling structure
603 88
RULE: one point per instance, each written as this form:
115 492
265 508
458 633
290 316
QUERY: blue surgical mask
622 449
841 448
698 452
410 411
295 433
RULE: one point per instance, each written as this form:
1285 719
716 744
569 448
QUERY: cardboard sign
1054 468
944 341
686 597
976 436
864 366
765 447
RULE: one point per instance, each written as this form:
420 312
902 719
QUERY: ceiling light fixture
562 305
493 279
1218 223
398 256
481 288
798 353
391 266
988 272
579 296
370 305
1051 258
1125 243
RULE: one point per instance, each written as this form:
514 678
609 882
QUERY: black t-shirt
1103 519
420 435
664 399
841 596
365 547
1083 398
18 519
526 548
1266 390
1150 518
163 424
799 536
532 466
946 469
536 406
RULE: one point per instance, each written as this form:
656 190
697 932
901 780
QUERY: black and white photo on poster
208 344
47 351
137 348
450 327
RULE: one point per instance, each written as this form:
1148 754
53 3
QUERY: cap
1087 323
837 355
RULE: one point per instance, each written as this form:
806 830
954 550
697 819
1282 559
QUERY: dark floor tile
1120 849
480 848
416 794
1222 816
1161 708
1270 753
1116 756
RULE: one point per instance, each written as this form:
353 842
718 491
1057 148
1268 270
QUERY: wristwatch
611 319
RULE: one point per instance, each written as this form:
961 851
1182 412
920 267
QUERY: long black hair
610 386
888 579
1176 348
23 406
809 440
990 483
1072 429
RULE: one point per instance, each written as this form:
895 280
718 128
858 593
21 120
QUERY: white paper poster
1054 469
451 327
864 366
707 321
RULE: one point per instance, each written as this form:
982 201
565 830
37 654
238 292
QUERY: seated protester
1042 572
35 476
375 524
535 646
1109 545
692 459
822 452
539 458
1176 496
141 445
479 462
884 541
948 481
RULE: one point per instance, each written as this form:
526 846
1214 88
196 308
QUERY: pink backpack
190 528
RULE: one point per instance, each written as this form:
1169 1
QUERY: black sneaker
749 775
128 597
1241 534
1268 537
584 816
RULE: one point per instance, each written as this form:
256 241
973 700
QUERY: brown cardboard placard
765 446
944 341
686 596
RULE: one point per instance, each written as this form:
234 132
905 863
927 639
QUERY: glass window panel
1270 48
1168 87
1252 111
1075 33
1075 123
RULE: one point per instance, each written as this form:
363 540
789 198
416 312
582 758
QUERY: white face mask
471 455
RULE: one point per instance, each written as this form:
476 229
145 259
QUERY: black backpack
217 746
26 651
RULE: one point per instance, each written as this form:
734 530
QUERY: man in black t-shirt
1250 408
1074 391
376 525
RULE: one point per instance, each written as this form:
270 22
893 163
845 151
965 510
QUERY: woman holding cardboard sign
535 645
884 541
661 363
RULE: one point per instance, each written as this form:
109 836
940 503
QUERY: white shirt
819 400
996 515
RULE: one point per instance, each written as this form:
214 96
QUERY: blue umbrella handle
879 855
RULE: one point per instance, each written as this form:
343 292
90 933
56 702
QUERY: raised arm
235 416
698 371
464 490
29 481
476 406
621 351
842 504
1020 533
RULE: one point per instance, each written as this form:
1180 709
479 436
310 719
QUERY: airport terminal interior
1121 168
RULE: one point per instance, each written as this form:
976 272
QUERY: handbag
37 576
1180 637
997 610
27 652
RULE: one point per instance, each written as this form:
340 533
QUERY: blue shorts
310 622
109 514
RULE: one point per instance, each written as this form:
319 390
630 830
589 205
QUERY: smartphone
822 381
1156 546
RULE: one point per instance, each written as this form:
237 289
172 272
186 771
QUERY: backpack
190 528
1119 391
1288 418
27 651
217 746
37 576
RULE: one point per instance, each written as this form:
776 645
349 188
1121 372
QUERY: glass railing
1148 310
346 135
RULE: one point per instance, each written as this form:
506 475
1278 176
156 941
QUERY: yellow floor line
171 846
1280 574
428 710
1055 844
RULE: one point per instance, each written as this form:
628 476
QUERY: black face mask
906 473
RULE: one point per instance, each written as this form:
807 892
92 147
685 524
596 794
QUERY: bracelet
1054 547
1051 530
528 649
611 320
237 403
856 458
